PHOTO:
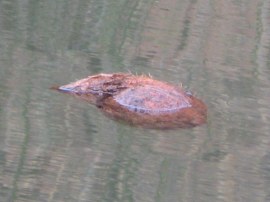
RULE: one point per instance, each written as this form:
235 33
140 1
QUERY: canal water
55 148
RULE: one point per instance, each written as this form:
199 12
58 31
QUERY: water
56 148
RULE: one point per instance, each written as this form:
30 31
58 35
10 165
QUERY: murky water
56 148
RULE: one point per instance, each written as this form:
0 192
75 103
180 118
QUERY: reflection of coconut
140 100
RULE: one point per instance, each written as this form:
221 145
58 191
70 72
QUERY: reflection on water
55 148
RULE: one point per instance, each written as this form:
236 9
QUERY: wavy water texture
55 148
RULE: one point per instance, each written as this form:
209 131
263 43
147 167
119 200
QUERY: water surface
56 148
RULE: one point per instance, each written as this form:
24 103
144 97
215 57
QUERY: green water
56 148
